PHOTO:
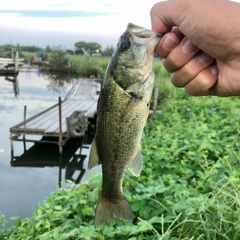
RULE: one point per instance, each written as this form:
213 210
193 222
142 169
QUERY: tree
31 48
82 47
94 47
48 49
70 51
108 51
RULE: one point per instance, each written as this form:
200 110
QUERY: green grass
90 65
189 187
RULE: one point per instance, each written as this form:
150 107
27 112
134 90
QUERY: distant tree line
92 48
33 48
108 51
80 48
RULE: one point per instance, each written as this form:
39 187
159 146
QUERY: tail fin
107 210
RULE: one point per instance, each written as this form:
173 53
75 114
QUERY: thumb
164 15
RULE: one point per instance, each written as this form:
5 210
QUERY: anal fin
135 165
93 156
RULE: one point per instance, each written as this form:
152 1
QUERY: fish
122 112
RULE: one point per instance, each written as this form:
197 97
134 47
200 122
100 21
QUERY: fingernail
188 47
204 58
214 70
168 44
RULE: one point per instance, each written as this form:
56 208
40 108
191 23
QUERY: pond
33 171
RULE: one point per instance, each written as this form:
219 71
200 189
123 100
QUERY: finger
163 16
182 13
202 84
168 42
180 55
158 25
176 30
189 71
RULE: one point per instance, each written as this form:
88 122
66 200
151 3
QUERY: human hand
201 45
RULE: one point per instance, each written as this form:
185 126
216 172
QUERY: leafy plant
189 187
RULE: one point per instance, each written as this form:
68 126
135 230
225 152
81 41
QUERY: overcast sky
63 22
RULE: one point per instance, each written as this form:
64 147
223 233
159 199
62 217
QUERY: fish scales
122 113
120 136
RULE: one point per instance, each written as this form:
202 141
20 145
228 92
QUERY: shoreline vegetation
85 66
189 187
83 60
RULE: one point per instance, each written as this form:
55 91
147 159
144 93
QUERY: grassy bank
189 187
60 61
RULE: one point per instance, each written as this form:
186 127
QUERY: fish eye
126 42
125 45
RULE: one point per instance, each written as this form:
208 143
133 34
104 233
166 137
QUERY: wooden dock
6 72
12 67
68 118
47 155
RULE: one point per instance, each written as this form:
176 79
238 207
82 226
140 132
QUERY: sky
64 22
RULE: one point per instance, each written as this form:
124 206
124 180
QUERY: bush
88 66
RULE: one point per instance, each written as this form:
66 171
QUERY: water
26 181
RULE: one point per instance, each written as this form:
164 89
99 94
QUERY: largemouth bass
122 113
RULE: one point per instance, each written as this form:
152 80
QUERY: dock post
15 59
16 62
24 118
11 141
60 124
11 144
155 101
60 171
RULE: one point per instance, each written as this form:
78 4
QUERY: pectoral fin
132 105
130 108
93 157
135 165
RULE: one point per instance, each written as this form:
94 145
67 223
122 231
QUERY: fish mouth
132 60
141 32
138 42
140 35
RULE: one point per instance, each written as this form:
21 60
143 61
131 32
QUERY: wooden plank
92 110
28 131
66 112
48 118
84 106
33 117
53 124
76 89
73 90
82 97
44 117
84 87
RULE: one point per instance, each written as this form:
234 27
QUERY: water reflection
59 81
41 155
15 82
